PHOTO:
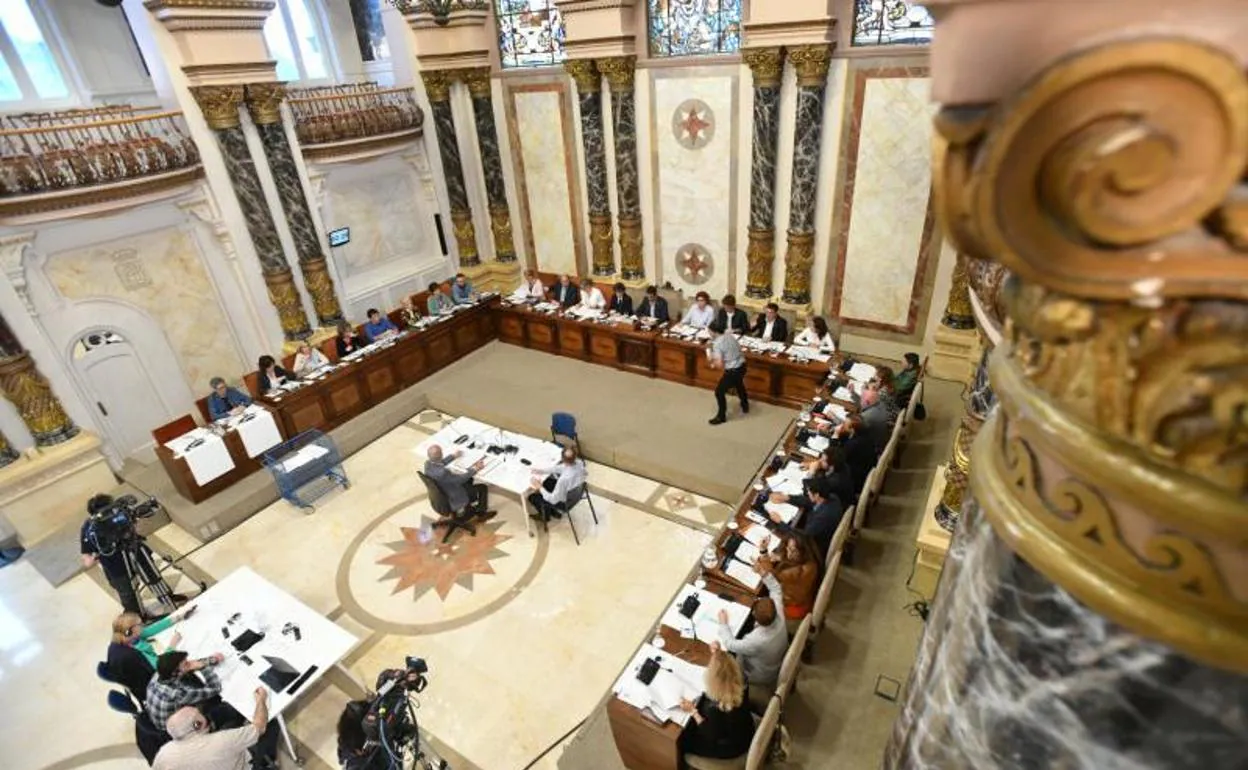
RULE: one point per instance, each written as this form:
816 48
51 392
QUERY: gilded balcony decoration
353 119
58 160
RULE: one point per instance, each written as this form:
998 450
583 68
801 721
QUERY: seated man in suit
566 293
462 292
820 523
859 448
379 327
531 287
459 488
225 401
620 301
770 326
438 303
831 467
591 296
553 487
653 307
732 317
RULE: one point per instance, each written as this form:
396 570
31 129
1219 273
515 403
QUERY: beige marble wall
695 182
161 273
379 209
539 123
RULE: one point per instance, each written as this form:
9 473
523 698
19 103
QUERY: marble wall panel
886 240
161 273
540 123
695 173
381 210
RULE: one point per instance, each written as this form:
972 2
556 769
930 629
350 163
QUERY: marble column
438 87
264 101
589 93
619 72
766 65
220 105
958 313
32 396
1093 612
478 81
811 64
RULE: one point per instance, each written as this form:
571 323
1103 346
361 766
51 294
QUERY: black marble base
960 322
58 436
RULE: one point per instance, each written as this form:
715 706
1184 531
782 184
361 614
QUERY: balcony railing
344 119
58 151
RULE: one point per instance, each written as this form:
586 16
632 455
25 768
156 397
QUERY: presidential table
290 631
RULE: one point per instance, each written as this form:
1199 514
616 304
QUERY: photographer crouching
380 731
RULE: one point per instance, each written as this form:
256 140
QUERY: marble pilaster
29 392
979 401
620 72
478 82
220 105
438 88
589 93
766 65
811 63
264 102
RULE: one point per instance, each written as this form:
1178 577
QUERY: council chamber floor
523 636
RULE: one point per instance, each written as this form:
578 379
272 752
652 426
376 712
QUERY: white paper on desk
861 372
747 552
468 458
785 511
818 443
743 574
785 485
836 412
666 690
303 457
209 460
843 394
705 620
260 433
756 533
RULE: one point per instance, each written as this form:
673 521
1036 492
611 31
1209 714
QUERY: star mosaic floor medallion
694 263
693 124
442 566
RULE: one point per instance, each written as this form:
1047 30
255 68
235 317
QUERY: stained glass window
530 33
892 22
691 27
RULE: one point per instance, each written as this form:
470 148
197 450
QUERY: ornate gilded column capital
586 74
438 84
264 102
619 71
811 63
220 105
958 312
478 81
29 392
766 65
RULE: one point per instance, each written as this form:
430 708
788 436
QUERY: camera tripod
143 572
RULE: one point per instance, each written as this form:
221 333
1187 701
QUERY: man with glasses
194 747
225 401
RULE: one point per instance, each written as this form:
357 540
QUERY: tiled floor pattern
522 634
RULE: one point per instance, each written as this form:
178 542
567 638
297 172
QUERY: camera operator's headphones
99 503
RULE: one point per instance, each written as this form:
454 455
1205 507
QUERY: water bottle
710 557
426 533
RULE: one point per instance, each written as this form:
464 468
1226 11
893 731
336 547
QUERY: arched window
891 22
692 27
530 33
29 72
294 41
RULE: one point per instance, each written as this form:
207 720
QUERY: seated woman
272 375
347 341
700 313
816 335
797 568
438 303
721 726
906 379
408 312
308 359
132 655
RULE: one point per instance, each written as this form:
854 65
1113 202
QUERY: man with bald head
194 747
458 487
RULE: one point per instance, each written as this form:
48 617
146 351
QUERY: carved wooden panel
511 329
542 335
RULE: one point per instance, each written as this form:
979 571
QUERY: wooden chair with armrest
252 381
179 427
202 405
787 680
764 735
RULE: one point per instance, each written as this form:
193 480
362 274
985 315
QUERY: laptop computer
279 674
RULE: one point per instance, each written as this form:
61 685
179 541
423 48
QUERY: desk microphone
193 444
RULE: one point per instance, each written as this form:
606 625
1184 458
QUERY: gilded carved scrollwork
23 385
602 255
285 299
500 226
220 105
465 237
760 253
797 261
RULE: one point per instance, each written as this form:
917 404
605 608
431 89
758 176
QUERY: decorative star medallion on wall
442 566
694 263
693 124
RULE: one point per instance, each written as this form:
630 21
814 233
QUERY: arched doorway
122 392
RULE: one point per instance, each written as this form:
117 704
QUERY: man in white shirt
531 287
195 748
725 353
700 313
561 483
762 650
591 296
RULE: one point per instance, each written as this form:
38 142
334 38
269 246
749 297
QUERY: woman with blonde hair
132 655
720 725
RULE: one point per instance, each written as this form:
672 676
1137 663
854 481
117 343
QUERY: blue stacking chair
101 670
564 424
120 701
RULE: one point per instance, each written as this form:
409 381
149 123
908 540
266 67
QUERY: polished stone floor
523 635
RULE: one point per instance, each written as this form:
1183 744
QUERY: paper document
861 372
786 511
260 433
836 412
704 625
303 457
818 443
756 533
843 394
675 675
743 574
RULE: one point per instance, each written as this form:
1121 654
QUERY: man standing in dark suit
566 293
770 326
620 301
731 317
653 306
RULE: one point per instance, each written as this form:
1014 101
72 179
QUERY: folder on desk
743 574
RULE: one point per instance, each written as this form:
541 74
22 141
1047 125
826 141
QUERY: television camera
390 721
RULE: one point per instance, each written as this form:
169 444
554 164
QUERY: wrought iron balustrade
344 113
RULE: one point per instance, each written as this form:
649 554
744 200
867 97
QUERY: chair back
330 348
840 536
252 381
437 498
119 701
792 660
575 496
101 670
169 431
760 746
823 599
563 424
202 404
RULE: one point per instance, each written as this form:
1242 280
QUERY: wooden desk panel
643 744
511 328
441 348
542 333
412 363
380 377
604 346
573 339
673 360
636 351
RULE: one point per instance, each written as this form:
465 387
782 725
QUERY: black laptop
279 675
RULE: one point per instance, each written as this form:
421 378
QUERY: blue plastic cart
306 467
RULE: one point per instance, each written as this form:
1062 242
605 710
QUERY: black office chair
566 507
451 518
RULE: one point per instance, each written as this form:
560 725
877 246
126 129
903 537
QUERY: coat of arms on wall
693 124
694 263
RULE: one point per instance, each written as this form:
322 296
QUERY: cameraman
113 564
356 750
